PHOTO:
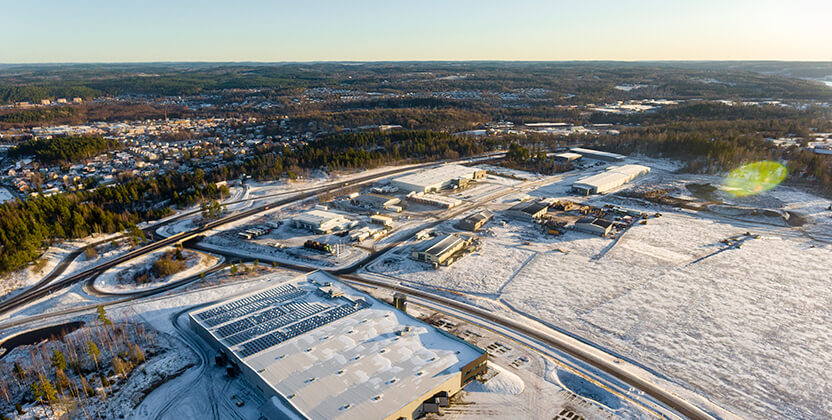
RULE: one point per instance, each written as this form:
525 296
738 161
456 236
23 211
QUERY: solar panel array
248 304
295 311
301 327
268 318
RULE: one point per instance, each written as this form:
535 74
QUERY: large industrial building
318 349
436 179
321 221
613 177
598 155
439 250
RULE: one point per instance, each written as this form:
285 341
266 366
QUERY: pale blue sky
249 30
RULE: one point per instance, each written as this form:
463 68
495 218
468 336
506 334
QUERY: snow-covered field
747 327
119 279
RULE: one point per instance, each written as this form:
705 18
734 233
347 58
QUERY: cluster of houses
145 151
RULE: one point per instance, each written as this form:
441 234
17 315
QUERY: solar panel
251 307
274 292
268 318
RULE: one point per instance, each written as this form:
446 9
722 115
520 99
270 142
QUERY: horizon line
355 61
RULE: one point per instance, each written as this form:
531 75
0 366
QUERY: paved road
562 342
568 345
44 289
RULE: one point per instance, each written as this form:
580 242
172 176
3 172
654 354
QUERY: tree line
64 149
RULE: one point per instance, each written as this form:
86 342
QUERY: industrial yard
589 251
660 266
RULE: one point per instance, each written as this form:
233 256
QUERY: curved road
33 293
562 342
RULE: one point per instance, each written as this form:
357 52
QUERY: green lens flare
755 178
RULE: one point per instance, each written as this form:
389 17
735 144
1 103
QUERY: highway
45 287
586 353
582 351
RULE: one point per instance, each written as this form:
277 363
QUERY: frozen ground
179 226
119 279
484 272
505 382
5 195
31 274
733 324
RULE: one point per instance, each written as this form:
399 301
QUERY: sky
48 31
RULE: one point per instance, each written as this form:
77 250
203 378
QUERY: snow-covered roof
613 177
318 217
365 364
436 176
597 153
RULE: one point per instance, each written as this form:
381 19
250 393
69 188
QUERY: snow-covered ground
504 382
5 195
119 279
178 226
732 324
28 276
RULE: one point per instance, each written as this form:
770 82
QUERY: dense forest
64 150
25 227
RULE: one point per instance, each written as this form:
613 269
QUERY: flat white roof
613 176
318 217
366 364
583 151
440 175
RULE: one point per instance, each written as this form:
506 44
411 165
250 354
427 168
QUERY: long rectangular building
318 349
612 178
598 155
436 179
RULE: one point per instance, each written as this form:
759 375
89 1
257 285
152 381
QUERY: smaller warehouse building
475 221
567 157
433 200
528 211
321 221
612 178
598 155
433 180
593 225
376 201
439 250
